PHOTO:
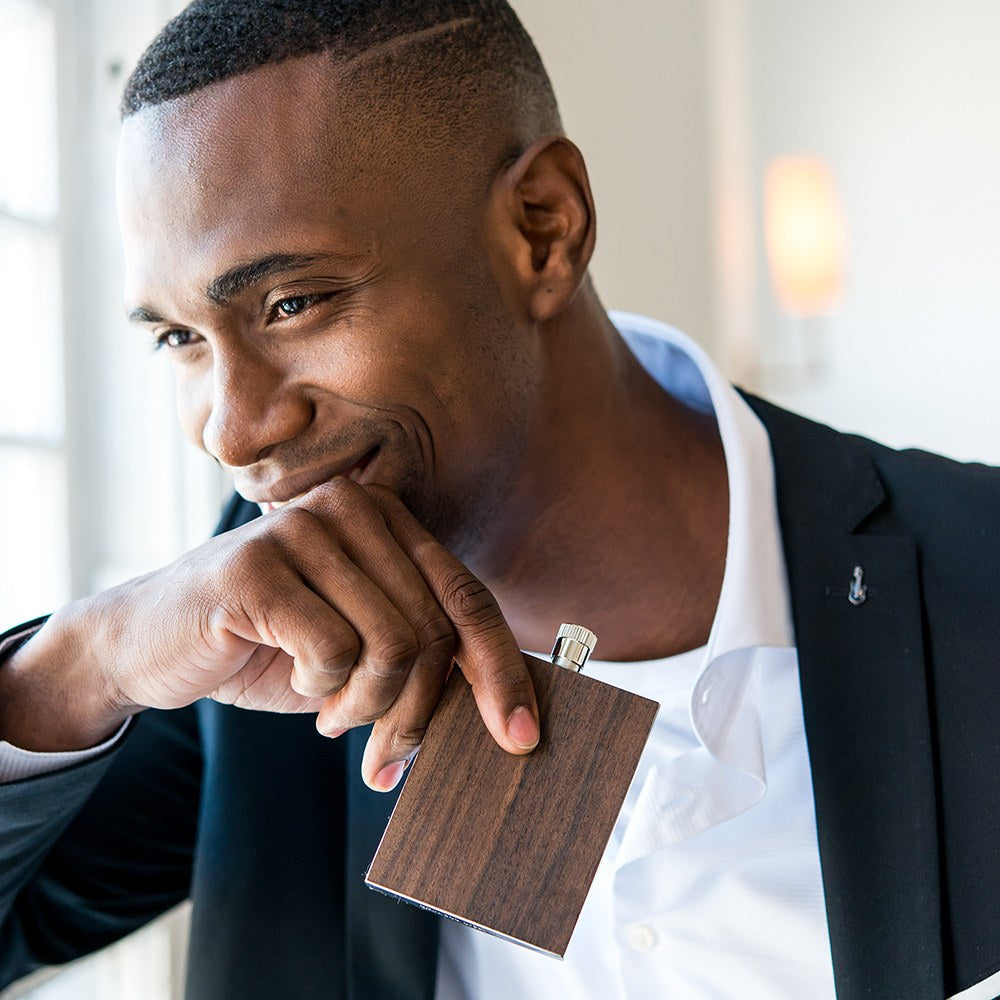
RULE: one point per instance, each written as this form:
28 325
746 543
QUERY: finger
486 649
396 737
289 615
398 734
399 726
262 684
386 649
382 594
368 540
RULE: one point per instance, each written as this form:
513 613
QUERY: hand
339 603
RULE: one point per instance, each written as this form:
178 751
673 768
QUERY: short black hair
214 40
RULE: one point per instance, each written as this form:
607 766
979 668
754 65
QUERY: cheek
395 357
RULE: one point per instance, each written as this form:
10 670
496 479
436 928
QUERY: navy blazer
268 827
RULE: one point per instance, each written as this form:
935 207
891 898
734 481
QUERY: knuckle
510 682
317 683
243 589
469 602
340 498
326 666
436 636
401 741
393 653
293 522
281 535
335 653
242 565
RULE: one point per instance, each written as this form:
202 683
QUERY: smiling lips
354 472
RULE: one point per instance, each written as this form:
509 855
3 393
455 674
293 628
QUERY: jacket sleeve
90 853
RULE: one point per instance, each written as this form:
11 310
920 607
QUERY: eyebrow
231 283
143 314
238 279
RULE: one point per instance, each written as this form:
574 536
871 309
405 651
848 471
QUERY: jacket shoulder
236 512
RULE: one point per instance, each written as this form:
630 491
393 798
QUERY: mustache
361 435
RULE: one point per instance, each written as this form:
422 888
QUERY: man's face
331 304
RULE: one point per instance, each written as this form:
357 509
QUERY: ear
545 211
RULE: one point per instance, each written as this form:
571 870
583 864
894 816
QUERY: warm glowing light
805 235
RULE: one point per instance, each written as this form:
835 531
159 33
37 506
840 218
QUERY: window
95 485
34 536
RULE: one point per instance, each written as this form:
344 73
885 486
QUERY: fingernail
387 779
522 730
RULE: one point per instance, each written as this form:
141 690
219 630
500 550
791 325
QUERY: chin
463 528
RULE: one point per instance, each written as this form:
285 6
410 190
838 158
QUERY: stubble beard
466 525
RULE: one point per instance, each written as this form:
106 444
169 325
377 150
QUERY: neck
620 520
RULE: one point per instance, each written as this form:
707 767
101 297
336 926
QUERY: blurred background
811 189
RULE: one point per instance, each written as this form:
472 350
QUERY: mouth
291 489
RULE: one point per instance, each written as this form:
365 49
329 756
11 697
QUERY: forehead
269 161
284 126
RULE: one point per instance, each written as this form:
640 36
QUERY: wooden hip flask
510 844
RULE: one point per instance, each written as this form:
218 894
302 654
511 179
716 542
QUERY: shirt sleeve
17 764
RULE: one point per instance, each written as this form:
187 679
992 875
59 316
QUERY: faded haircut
462 51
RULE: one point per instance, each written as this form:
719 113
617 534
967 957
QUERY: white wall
900 98
138 495
678 106
630 77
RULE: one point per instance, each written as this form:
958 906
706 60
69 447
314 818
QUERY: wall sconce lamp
804 232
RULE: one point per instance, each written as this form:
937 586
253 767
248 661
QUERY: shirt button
641 937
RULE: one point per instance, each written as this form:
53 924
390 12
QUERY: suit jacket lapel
866 711
391 946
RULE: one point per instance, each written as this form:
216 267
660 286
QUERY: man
360 235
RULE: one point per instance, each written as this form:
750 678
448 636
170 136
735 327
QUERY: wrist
53 697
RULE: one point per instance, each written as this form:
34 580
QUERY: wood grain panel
511 844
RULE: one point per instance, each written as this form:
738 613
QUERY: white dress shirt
710 886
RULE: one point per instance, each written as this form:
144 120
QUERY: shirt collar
725 775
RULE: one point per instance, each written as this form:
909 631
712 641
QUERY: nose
254 407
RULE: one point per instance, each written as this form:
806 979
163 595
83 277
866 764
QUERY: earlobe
550 205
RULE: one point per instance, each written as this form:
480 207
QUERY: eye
295 305
173 339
